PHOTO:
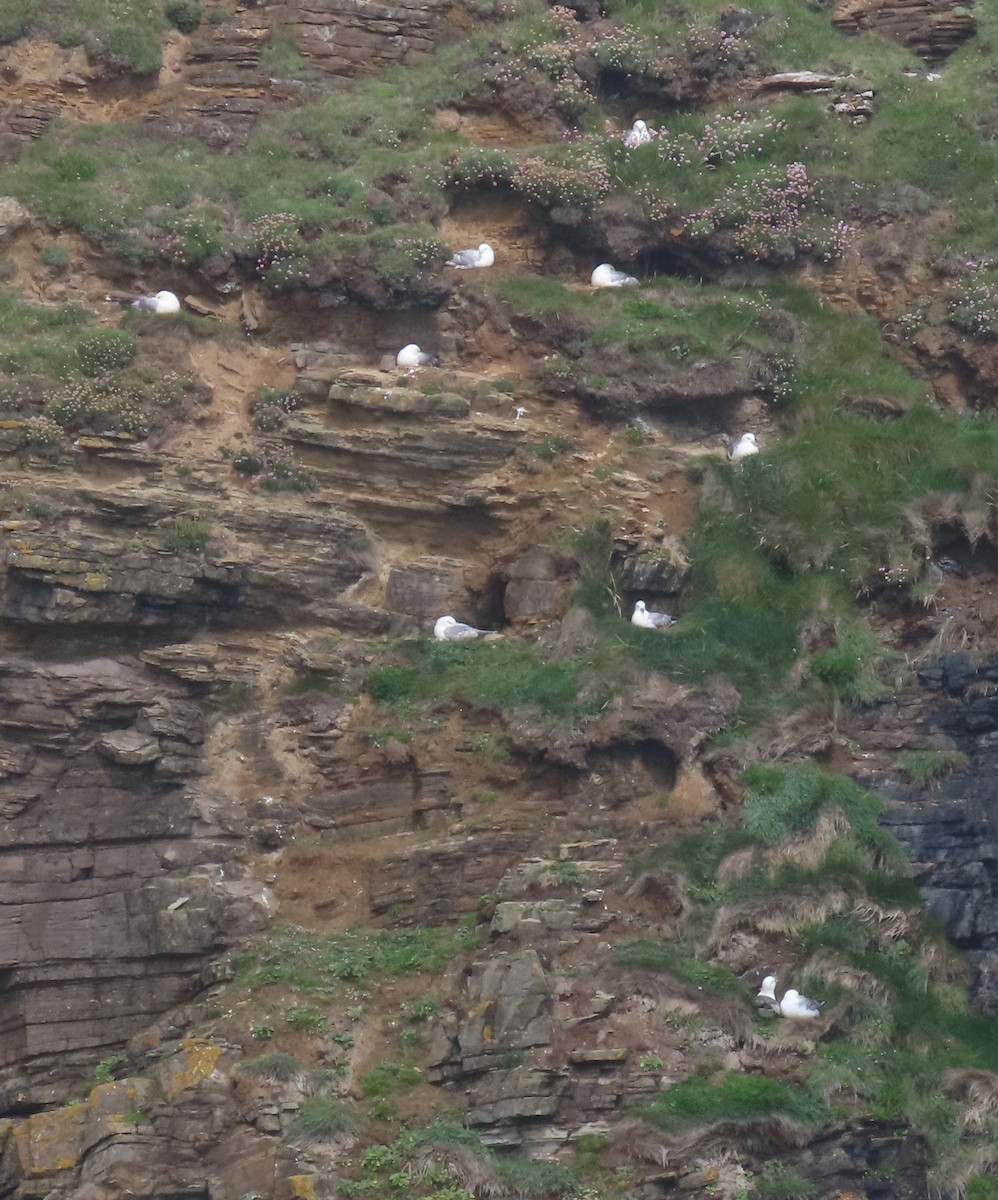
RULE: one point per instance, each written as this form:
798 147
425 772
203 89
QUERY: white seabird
464 260
766 997
162 302
607 276
447 629
412 356
646 618
743 448
798 1007
638 135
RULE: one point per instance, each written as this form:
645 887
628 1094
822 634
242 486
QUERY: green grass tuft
677 960
737 1098
319 1118
278 1066
924 766
507 676
309 962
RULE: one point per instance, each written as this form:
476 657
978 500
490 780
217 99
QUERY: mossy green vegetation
394 1167
783 800
679 961
875 958
123 37
502 675
921 767
737 1098
320 1118
310 962
277 1065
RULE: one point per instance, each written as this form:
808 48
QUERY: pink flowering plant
275 243
973 308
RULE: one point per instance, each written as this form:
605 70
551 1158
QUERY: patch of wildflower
398 261
18 395
830 241
191 240
247 463
100 407
974 308
581 182
275 471
42 431
776 379
105 350
716 52
624 48
271 406
726 138
911 321
421 252
552 57
768 215
173 389
277 248
281 473
477 168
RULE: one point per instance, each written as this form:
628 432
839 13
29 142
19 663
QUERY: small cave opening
489 602
647 764
956 555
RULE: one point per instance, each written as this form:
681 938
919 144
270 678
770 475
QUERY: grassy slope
787 540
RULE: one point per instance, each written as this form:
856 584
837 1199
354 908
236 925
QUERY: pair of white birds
793 1005
162 302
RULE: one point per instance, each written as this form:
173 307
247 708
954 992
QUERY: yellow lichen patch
195 1062
50 1141
302 1187
95 581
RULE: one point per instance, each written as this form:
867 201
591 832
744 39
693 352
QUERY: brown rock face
346 38
932 29
100 845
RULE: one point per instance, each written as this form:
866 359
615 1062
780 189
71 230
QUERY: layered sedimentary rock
113 892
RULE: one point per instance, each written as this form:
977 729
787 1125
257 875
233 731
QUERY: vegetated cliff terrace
296 901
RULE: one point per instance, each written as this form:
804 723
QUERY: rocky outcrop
115 565
114 891
949 826
361 39
933 29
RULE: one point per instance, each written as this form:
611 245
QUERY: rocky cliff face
219 820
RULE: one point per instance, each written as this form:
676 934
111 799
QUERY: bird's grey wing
660 620
144 304
460 631
463 258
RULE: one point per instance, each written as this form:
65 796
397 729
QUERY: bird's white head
485 248
769 983
640 126
443 624
790 995
749 437
640 606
